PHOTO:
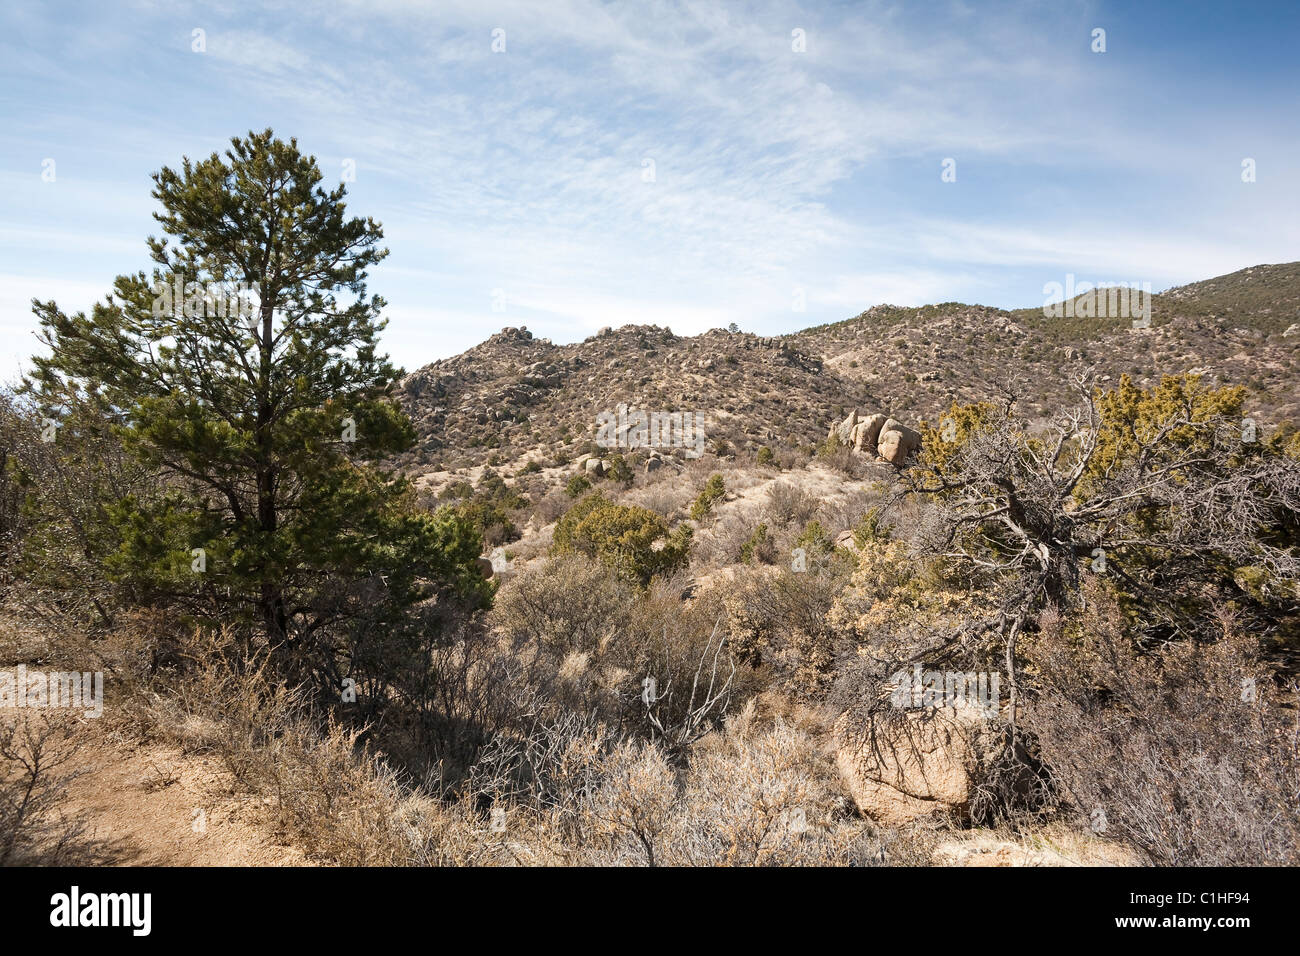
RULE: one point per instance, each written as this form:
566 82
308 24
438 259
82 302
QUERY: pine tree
246 370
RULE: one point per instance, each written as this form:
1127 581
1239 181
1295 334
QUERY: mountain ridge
518 397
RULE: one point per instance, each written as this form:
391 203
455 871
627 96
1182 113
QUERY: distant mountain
515 395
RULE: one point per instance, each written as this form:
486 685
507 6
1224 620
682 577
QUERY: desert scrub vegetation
490 506
714 490
633 541
787 504
756 792
1189 751
1108 565
591 642
577 486
779 620
568 783
839 456
758 547
217 524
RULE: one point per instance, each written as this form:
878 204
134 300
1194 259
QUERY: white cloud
773 169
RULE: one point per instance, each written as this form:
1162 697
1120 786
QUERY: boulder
594 466
905 764
844 429
484 567
877 434
653 465
867 432
897 442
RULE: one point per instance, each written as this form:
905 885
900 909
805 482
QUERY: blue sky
514 186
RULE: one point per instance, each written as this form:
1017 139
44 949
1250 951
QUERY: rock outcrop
844 430
867 432
880 435
897 442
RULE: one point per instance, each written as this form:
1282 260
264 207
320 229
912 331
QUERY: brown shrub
569 603
1188 752
789 504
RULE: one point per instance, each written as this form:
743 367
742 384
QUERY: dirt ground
151 805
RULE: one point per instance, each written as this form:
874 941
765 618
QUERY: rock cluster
886 438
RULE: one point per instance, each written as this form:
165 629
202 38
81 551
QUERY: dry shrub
840 457
629 812
849 510
1166 748
586 642
332 796
788 504
565 629
667 494
777 618
721 544
570 603
764 797
328 793
552 506
546 766
447 709
748 796
565 789
689 656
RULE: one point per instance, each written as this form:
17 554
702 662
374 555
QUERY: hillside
517 397
516 394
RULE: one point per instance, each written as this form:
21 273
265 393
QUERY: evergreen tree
246 370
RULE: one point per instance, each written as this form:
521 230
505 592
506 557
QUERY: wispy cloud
687 163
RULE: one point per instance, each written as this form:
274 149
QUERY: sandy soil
151 805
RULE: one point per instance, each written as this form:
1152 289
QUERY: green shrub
457 489
758 546
713 491
489 518
617 469
622 537
488 506
578 485
766 456
870 529
815 538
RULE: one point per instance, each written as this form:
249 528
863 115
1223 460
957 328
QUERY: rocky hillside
1233 329
517 394
518 397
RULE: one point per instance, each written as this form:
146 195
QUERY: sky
572 164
